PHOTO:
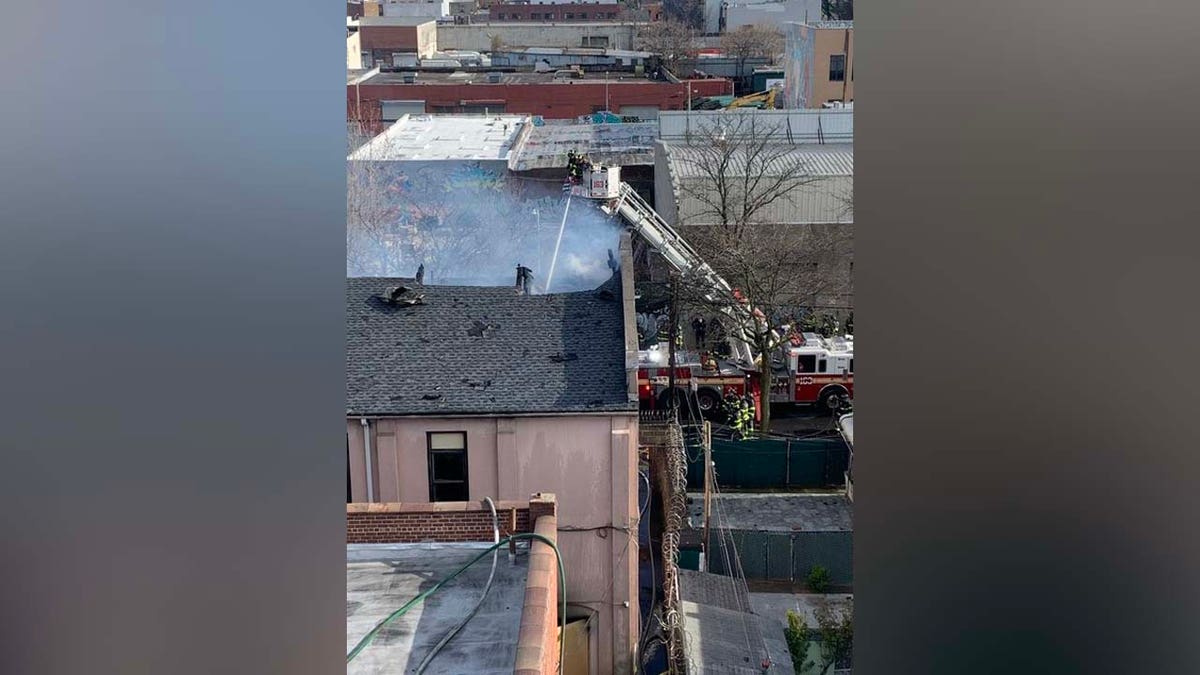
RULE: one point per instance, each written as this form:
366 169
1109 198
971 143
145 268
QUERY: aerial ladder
603 184
618 198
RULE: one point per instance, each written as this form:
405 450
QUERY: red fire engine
806 368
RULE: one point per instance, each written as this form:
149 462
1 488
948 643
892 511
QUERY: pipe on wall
366 424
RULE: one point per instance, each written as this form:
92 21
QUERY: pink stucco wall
588 461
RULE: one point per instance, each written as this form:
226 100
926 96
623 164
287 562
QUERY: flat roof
391 21
380 578
546 146
522 77
777 512
831 25
722 635
444 137
560 24
573 51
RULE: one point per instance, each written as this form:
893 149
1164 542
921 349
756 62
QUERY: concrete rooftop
380 578
777 512
445 137
521 77
722 634
776 606
546 147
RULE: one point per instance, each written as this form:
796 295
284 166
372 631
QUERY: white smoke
471 227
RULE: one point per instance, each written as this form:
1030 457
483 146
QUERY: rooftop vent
403 295
524 274
409 78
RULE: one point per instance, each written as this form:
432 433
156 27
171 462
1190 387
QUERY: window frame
842 77
429 453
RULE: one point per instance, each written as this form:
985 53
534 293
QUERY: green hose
562 584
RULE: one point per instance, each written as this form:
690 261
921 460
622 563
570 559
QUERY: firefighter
574 168
741 414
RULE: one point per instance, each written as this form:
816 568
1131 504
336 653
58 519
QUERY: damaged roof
482 350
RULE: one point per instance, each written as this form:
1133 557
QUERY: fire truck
805 369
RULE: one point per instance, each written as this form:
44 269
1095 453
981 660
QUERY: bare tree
738 177
745 42
690 12
671 40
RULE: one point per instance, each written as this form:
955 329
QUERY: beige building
458 393
389 40
818 63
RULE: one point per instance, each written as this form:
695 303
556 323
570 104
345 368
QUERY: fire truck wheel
830 399
708 401
669 396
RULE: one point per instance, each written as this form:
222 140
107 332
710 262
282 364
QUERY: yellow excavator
764 100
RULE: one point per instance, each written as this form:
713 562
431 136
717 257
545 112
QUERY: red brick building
532 93
554 12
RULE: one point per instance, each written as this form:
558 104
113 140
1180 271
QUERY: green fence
782 556
771 463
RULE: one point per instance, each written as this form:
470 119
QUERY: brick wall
550 100
443 521
394 38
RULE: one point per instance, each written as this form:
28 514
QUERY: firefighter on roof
574 168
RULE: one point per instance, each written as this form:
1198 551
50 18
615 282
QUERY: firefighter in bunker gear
741 414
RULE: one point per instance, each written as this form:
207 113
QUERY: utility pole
708 480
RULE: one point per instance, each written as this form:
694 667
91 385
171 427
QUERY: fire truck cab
818 371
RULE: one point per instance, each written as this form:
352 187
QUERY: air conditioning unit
494 78
410 78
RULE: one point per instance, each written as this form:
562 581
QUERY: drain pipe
366 425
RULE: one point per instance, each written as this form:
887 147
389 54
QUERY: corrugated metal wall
827 200
790 126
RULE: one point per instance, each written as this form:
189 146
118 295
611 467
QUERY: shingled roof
483 350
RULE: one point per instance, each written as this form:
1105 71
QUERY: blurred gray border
1027 459
172 212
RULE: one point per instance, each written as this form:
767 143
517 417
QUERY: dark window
535 15
583 15
821 366
448 466
569 16
852 365
808 363
837 67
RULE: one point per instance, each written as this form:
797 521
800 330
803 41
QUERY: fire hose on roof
487 587
562 583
